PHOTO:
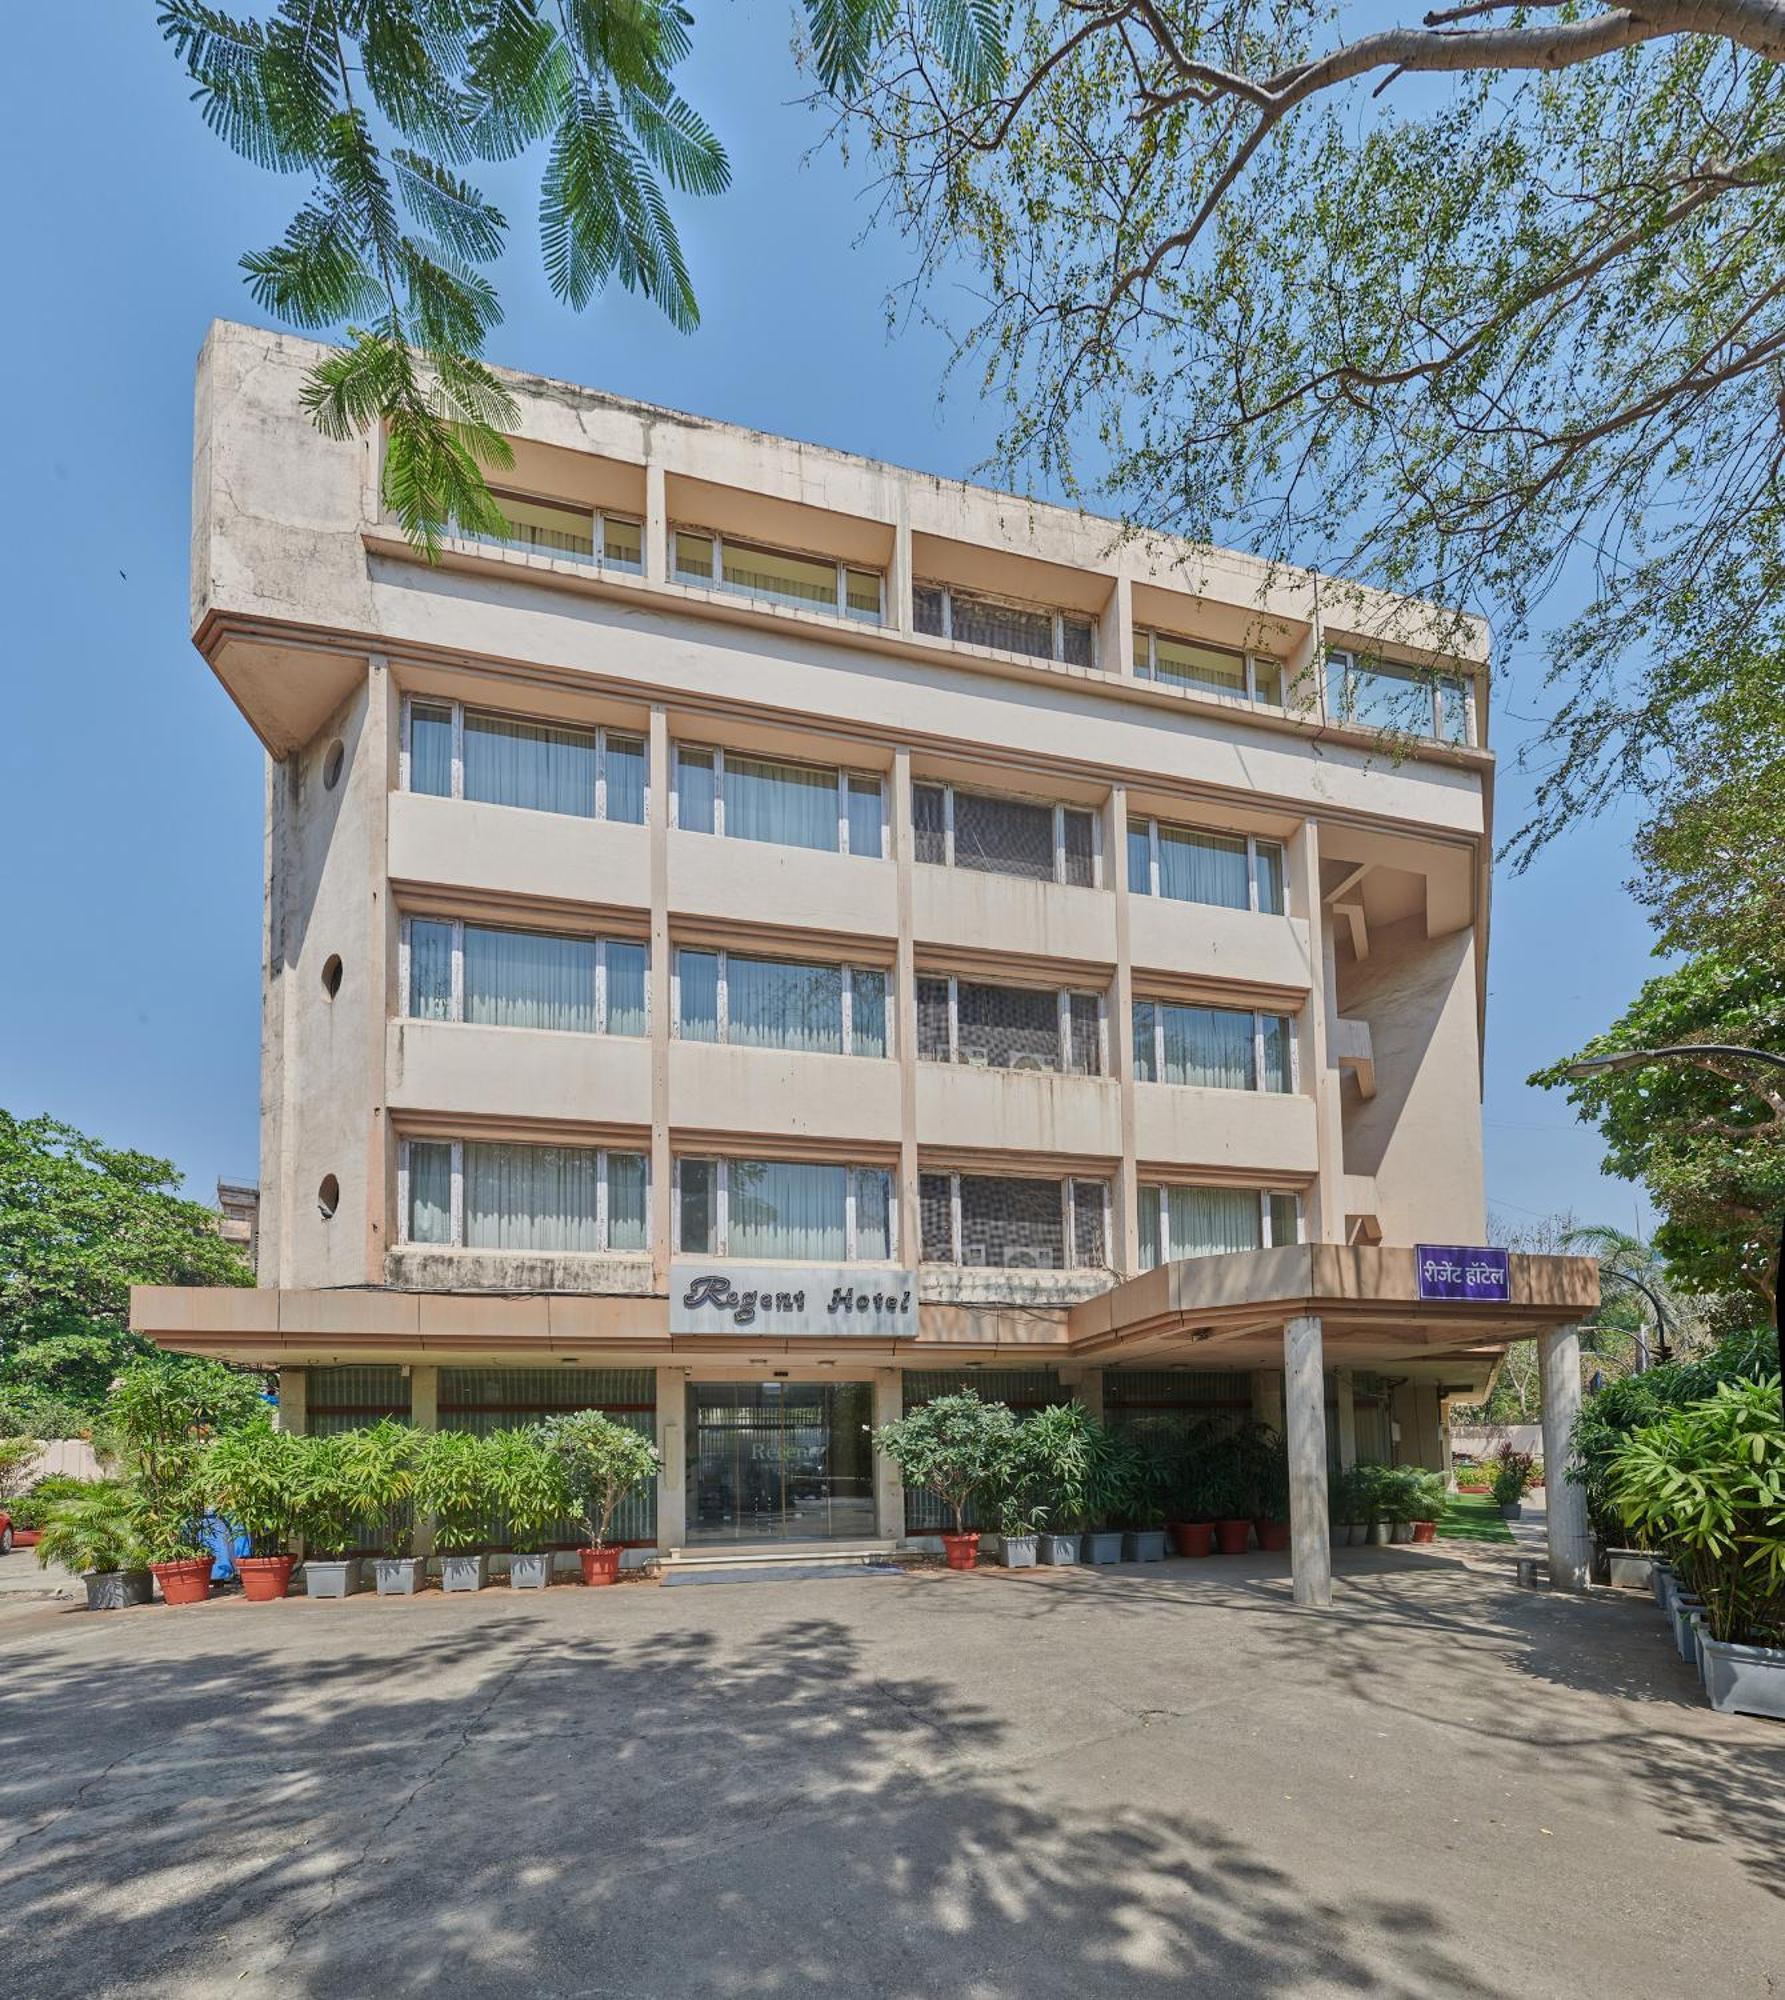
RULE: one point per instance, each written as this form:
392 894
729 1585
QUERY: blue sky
130 790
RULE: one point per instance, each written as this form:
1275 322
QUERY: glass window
1204 669
697 977
530 1197
1267 681
861 594
1278 1052
430 748
1083 1021
1453 710
624 763
1208 1046
694 557
1009 628
867 1012
1089 1251
554 530
866 817
873 1214
785 579
1270 877
793 805
1003 836
926 609
935 1204
1203 868
1146 1059
622 543
698 1223
1286 1219
793 1209
932 1020
695 791
1152 1248
1078 646
1008 1027
525 979
1207 1221
1011 1223
929 822
626 1175
430 1192
775 1005
1079 846
626 1005
1140 859
430 970
534 764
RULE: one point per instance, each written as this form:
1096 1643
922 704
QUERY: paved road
22 1576
1159 1782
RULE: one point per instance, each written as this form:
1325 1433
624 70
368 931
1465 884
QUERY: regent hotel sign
714 1295
1463 1271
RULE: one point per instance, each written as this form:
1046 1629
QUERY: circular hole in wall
333 758
328 1196
331 974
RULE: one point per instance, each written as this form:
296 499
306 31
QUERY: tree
1452 307
953 1447
381 103
1708 1135
80 1223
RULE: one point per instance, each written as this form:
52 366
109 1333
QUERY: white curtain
787 579
626 1201
1276 1052
868 1013
626 964
1206 1221
697 976
1210 1046
530 1198
1270 878
873 1210
1151 1249
625 769
430 749
1202 667
791 804
509 763
867 818
694 791
1203 868
773 1005
430 1192
791 1209
430 970
525 979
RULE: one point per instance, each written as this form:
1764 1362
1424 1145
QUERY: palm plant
1054 1450
377 1476
528 1483
452 1483
91 1532
253 1478
325 1505
603 1462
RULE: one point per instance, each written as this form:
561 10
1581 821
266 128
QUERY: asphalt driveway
1124 1782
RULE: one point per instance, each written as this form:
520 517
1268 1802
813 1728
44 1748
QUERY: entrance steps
780 1561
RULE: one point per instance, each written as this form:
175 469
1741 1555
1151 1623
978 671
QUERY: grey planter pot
1683 1608
401 1576
1144 1545
1104 1545
1353 1534
334 1577
529 1572
118 1589
1379 1534
1744 1680
462 1572
1630 1569
1403 1531
1059 1548
1018 1552
1511 1510
1666 1590
1660 1579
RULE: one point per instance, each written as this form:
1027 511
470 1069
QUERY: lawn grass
1472 1517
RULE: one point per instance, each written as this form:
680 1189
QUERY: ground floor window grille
995 834
785 1211
1207 1221
485 1195
1014 1222
986 1026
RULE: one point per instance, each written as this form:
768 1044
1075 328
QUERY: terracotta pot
1425 1531
1192 1538
962 1551
264 1578
183 1582
600 1565
1232 1537
1273 1535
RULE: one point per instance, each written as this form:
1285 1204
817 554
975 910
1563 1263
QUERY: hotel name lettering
791 1299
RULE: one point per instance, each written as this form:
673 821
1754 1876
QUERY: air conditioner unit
1028 1059
976 1058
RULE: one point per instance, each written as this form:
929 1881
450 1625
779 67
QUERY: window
553 528
796 1211
1006 624
1379 695
810 583
501 978
791 805
1211 670
1219 1048
1232 871
454 752
1012 1222
1009 1027
1204 1222
999 835
769 1003
479 1195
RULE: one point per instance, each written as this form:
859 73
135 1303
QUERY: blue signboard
1463 1271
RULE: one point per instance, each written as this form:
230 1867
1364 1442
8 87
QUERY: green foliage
1513 1475
1707 1483
603 1461
326 1504
158 1423
1706 1137
93 1530
253 1477
376 1473
32 1507
1347 1502
953 1447
17 1456
452 1483
528 1482
80 1223
31 1413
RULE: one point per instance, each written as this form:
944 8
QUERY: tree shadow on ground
508 1807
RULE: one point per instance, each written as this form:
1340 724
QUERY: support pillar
424 1414
672 1444
1304 1410
1565 1504
889 1488
1347 1419
294 1400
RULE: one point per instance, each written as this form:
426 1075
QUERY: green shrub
377 1473
94 1530
1513 1473
452 1483
603 1461
29 1509
159 1421
253 1477
954 1447
528 1483
325 1506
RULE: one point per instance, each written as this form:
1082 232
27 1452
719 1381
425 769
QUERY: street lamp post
1590 1066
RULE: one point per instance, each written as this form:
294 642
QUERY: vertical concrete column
1125 1250
657 834
1342 1392
1267 1398
1115 630
656 525
1319 1078
424 1414
889 1489
672 1443
905 1011
294 1400
1304 1409
1087 1385
377 775
899 572
1565 1504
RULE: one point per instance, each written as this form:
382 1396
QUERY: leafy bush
41 1413
452 1483
954 1447
325 1506
158 1424
94 1530
253 1478
603 1461
30 1508
377 1476
528 1483
17 1456
1513 1474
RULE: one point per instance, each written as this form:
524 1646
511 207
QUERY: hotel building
778 935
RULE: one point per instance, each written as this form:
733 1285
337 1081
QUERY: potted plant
252 1478
452 1486
1346 1506
1401 1500
1020 1515
1512 1471
1190 1515
954 1447
1429 1495
325 1514
1054 1449
1143 1538
1264 1461
1228 1496
29 1509
378 1474
603 1461
1111 1485
527 1482
93 1532
1373 1489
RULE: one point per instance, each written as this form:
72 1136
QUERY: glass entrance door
780 1461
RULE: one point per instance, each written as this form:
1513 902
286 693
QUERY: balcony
1205 941
1010 915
